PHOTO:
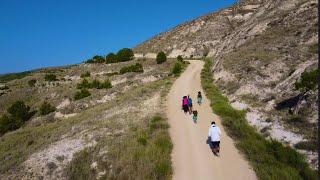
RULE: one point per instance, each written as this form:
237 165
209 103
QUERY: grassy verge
269 158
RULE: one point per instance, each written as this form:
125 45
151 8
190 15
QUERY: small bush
176 70
94 84
179 58
46 108
125 54
111 58
82 94
50 77
86 74
308 81
142 141
18 114
32 82
132 68
161 58
101 85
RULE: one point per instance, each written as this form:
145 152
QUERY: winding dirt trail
192 158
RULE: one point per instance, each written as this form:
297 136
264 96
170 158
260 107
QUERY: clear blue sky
41 33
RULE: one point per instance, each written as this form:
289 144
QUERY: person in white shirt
214 137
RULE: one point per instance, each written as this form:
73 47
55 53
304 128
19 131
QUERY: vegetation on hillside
50 77
46 108
18 114
124 54
82 94
86 74
161 58
270 159
12 76
132 68
176 70
308 81
32 82
94 84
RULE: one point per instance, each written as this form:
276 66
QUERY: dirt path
191 156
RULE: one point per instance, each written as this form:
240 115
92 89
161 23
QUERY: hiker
199 98
190 104
214 136
185 106
195 116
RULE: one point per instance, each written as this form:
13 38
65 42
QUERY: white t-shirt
214 133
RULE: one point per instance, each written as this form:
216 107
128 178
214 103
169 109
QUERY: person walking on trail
190 104
185 106
195 116
214 137
199 98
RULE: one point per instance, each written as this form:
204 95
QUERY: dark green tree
111 58
161 58
176 70
125 54
98 59
179 58
19 110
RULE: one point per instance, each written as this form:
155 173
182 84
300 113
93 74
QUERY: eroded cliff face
259 49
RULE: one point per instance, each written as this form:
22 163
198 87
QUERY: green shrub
82 94
270 159
46 108
179 58
86 74
308 81
89 61
98 59
18 114
161 58
84 84
125 54
32 82
101 85
12 76
94 84
111 58
176 70
50 77
132 68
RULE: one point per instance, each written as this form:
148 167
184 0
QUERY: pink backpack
185 101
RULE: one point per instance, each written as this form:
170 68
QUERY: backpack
185 101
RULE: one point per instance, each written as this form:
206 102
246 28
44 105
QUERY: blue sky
41 33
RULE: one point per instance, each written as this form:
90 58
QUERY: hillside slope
107 135
260 49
